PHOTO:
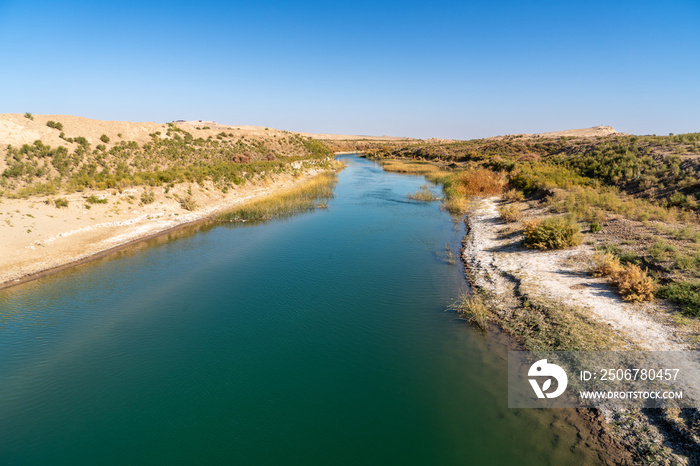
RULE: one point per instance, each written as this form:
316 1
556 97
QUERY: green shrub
104 138
55 125
29 116
92 199
630 258
148 197
596 227
552 233
61 202
687 294
661 250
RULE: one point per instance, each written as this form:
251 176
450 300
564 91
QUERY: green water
320 339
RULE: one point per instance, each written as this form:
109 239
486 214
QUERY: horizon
453 71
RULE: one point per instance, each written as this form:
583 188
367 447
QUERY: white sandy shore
560 276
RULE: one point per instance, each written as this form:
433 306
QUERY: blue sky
442 69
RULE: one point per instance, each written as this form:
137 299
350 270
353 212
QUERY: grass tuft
424 195
472 308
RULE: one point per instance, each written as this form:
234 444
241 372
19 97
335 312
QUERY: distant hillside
596 131
664 168
46 154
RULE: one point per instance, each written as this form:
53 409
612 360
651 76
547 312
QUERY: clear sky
421 69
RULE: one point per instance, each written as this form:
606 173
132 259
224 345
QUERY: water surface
320 339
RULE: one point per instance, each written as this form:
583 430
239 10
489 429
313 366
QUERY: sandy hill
16 129
592 132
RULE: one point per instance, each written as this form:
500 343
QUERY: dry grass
313 194
472 308
424 195
412 168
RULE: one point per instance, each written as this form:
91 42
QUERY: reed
424 195
411 168
473 309
313 194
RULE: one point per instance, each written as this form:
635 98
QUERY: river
319 339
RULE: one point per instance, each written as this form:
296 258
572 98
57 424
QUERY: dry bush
631 281
513 195
480 182
605 265
188 202
634 284
510 213
552 233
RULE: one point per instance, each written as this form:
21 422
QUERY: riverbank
573 311
39 238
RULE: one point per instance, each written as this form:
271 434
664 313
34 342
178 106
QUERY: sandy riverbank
36 236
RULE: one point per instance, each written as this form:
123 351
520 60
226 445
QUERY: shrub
104 138
629 258
479 182
55 125
595 227
634 284
687 294
61 202
660 250
514 195
188 202
605 265
510 213
92 199
148 197
552 233
29 116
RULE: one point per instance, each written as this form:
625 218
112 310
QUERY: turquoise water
320 339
